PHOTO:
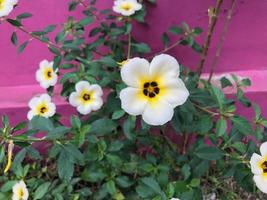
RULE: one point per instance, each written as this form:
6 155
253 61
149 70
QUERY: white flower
41 106
174 199
154 89
45 75
87 97
126 7
259 168
20 191
6 6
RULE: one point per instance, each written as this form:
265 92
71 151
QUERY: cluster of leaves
111 155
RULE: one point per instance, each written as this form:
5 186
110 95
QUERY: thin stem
212 24
166 49
222 38
33 139
206 110
129 46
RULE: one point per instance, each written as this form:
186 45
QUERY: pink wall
244 50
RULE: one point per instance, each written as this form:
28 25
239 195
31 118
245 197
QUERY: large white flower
41 106
154 89
20 191
87 97
126 7
259 168
6 6
45 75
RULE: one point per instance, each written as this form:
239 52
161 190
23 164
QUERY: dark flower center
86 97
264 166
43 110
151 89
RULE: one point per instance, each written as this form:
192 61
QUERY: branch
222 38
166 49
212 24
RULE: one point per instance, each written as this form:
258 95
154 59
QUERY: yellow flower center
48 73
20 193
86 96
2 4
127 6
151 89
42 109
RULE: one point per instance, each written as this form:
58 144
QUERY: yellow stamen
126 6
122 63
48 73
42 109
9 156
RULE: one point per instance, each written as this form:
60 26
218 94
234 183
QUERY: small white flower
45 75
6 6
154 89
126 7
20 191
174 199
41 106
259 168
87 97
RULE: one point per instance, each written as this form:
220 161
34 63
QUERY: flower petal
158 112
81 85
96 104
97 90
254 163
261 182
174 92
30 114
74 99
33 102
51 110
84 109
132 102
45 98
44 64
164 66
263 149
134 71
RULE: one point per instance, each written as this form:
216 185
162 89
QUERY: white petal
97 90
45 98
84 109
51 110
33 102
261 182
134 71
132 101
158 112
74 99
81 85
44 64
96 104
254 163
174 92
164 66
127 12
39 75
44 84
5 10
263 149
30 115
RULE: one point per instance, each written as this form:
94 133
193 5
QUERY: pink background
244 51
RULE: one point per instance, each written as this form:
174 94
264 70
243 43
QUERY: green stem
129 46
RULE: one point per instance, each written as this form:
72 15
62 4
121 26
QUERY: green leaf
225 82
57 132
108 61
242 125
221 127
65 166
128 128
41 191
103 126
22 47
41 123
218 94
118 114
14 38
75 122
141 47
24 15
209 153
86 21
14 22
111 188
176 30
